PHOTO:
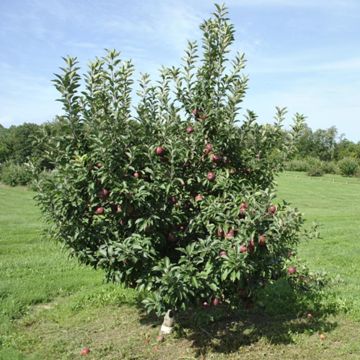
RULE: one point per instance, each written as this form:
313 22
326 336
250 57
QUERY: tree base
168 323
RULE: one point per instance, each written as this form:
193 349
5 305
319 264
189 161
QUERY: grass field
50 307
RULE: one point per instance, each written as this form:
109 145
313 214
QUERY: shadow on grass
229 334
282 313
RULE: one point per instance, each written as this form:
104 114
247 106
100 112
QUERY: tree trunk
168 323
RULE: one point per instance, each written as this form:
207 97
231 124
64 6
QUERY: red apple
242 210
85 351
99 165
100 210
211 176
272 209
216 301
199 197
244 205
243 249
215 158
230 234
189 129
220 233
116 208
173 200
242 213
292 270
208 148
251 246
136 175
196 112
205 304
262 240
103 193
160 151
223 253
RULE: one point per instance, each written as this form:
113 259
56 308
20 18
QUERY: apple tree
173 195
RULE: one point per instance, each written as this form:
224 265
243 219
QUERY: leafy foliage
14 174
320 144
316 168
177 199
16 143
348 166
313 166
298 165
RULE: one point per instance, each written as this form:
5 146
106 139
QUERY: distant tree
320 143
324 141
346 148
4 151
304 142
17 142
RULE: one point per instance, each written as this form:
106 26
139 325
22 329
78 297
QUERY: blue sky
301 54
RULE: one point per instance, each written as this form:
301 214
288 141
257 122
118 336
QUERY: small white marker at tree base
168 323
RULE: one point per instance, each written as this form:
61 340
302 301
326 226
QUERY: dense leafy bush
315 167
348 167
315 171
40 177
330 167
16 143
177 200
297 165
14 174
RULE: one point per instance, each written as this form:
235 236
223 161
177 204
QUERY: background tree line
326 145
318 151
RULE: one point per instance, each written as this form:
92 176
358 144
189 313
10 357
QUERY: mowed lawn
334 203
51 307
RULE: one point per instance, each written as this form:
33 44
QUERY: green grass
334 203
50 306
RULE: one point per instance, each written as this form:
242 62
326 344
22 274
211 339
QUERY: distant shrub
315 168
330 167
348 167
312 161
297 165
14 174
315 171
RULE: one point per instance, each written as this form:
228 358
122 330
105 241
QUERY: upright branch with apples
176 198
